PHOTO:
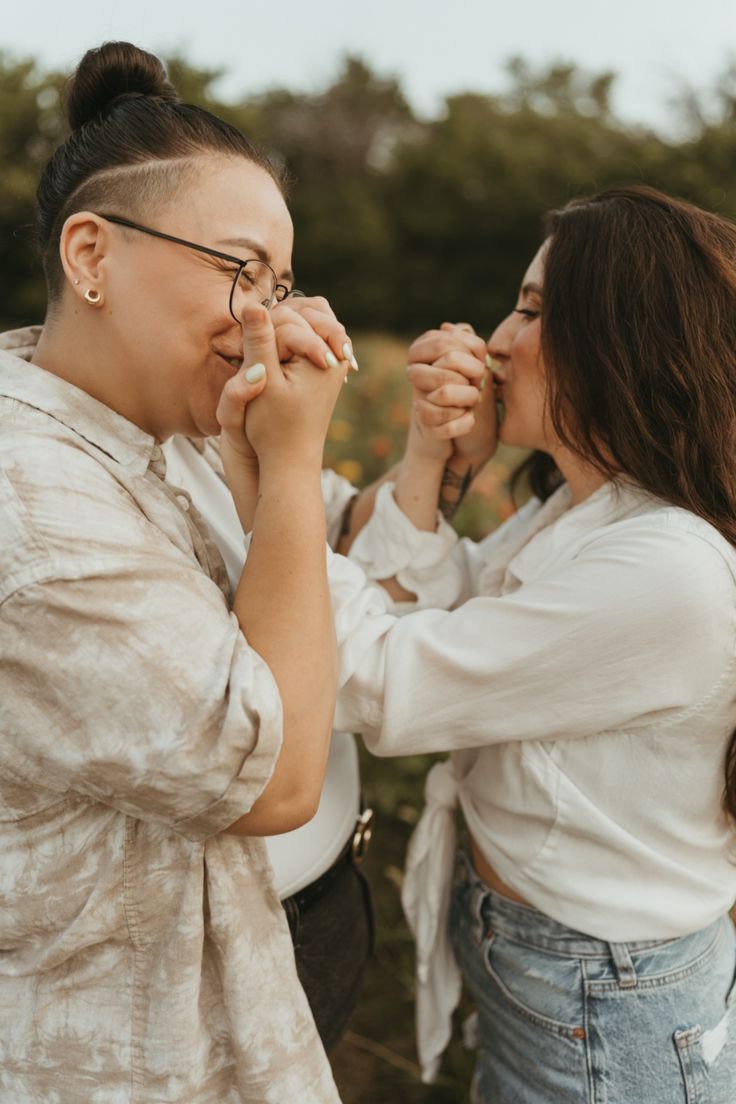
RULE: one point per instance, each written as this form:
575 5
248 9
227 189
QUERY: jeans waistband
528 925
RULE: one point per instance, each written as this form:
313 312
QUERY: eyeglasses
254 279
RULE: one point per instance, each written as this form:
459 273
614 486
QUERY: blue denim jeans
567 1019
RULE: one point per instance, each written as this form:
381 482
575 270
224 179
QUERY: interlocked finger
436 343
296 338
454 428
317 313
431 415
454 394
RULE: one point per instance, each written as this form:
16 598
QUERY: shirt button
183 501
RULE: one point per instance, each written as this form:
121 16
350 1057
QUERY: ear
83 248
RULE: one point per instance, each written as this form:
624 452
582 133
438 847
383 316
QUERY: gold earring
93 296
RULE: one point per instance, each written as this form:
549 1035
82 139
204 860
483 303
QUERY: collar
558 529
90 419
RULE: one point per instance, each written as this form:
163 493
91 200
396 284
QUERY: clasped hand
305 354
454 403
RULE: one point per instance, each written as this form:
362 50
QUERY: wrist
474 460
235 460
290 470
422 463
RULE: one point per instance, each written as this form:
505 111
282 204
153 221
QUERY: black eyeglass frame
239 261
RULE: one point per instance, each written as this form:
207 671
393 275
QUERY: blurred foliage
401 221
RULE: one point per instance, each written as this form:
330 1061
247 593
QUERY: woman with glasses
157 719
579 665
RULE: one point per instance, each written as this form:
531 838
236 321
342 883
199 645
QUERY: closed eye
527 312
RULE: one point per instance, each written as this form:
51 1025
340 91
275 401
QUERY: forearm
284 609
417 489
457 476
242 479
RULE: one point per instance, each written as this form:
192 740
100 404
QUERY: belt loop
625 969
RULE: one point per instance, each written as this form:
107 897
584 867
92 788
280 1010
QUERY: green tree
31 124
339 147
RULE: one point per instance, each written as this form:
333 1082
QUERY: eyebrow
531 289
260 252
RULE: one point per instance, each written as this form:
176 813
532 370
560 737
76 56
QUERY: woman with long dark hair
584 674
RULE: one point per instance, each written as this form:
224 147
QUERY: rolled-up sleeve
131 684
440 569
389 546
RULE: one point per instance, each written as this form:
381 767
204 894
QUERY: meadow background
402 222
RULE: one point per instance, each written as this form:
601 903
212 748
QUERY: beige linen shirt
144 955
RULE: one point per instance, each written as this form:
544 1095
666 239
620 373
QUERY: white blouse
301 856
585 686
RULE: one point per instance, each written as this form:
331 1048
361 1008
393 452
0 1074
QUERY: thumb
259 340
244 386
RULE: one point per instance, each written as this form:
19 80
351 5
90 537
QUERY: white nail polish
490 362
347 351
354 364
330 359
255 373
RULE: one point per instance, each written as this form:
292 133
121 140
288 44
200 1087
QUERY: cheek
528 345
528 367
205 391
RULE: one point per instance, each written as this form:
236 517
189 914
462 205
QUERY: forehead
230 199
535 272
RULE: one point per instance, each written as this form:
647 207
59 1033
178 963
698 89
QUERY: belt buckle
362 834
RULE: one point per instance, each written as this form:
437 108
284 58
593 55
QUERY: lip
233 361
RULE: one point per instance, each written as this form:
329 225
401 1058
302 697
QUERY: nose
499 343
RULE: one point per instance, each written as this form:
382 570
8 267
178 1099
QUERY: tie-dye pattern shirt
145 958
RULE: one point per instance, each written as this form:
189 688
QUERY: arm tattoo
453 489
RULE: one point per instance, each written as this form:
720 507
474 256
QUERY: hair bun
112 70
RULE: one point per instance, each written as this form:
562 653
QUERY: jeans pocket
707 1052
687 1043
542 987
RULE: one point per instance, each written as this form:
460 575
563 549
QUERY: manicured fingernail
331 360
347 351
482 383
354 364
490 362
255 373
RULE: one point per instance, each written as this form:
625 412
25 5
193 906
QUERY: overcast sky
434 47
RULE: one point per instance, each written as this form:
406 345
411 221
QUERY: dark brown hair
639 344
131 139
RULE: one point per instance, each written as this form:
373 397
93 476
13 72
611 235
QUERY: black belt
354 851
